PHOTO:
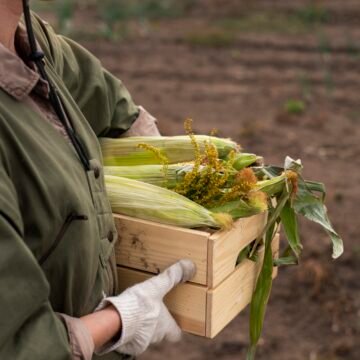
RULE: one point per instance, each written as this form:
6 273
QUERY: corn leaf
244 253
261 296
237 209
274 214
286 261
312 207
290 226
294 165
306 202
317 187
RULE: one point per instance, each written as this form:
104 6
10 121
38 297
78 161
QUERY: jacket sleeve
29 329
104 100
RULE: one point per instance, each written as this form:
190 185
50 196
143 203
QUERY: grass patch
294 107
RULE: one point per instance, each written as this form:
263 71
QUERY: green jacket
56 229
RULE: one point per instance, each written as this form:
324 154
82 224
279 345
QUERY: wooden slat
187 302
225 246
229 298
276 250
152 247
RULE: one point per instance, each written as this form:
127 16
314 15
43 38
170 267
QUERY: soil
241 88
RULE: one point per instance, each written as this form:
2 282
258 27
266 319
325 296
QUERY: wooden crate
220 289
152 247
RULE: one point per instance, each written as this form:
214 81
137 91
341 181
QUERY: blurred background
280 77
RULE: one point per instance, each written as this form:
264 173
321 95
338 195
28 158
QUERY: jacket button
96 172
110 236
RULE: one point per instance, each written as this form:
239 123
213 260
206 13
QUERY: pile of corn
189 181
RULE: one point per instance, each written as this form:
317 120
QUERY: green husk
255 204
149 202
169 176
243 160
272 186
176 149
152 174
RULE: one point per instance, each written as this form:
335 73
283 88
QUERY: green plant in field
216 38
324 44
353 48
305 86
328 81
295 107
64 12
115 12
301 21
263 22
313 15
63 9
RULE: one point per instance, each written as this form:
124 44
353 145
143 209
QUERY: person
57 267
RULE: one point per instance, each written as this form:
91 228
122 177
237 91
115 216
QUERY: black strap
38 58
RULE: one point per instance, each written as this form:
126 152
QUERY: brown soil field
239 85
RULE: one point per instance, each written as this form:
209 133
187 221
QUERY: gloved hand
145 318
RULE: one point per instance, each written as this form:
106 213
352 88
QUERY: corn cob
155 175
272 186
243 160
150 202
177 149
255 203
152 174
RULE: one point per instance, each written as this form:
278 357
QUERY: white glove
145 319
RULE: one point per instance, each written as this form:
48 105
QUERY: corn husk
273 186
156 174
177 149
149 202
256 203
243 160
152 174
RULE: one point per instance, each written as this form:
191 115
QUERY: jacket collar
18 76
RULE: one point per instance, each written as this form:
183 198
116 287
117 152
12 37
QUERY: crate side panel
227 300
187 302
230 297
225 246
152 247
